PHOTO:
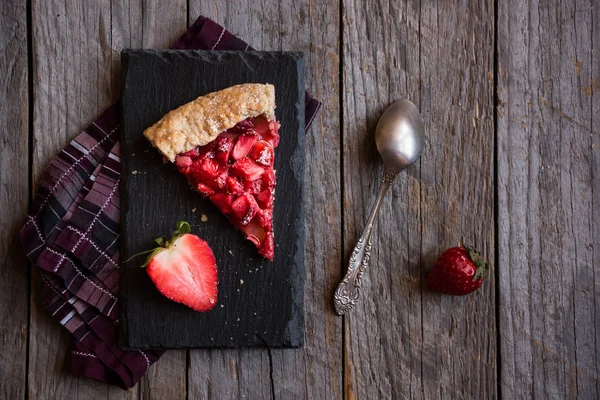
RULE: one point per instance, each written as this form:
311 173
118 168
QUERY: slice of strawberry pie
224 144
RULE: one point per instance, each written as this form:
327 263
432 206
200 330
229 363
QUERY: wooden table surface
509 94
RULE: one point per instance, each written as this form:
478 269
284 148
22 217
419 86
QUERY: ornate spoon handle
348 291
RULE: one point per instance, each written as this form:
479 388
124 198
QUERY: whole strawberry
458 271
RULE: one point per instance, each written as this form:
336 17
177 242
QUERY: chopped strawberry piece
186 272
183 163
193 153
247 169
206 151
234 186
223 148
203 169
262 153
256 187
223 202
261 125
204 190
242 126
273 136
267 130
243 145
220 180
244 208
254 232
264 219
269 178
265 199
268 247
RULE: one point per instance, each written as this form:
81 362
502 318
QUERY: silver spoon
400 139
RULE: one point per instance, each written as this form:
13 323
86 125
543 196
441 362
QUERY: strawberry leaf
139 254
182 228
482 267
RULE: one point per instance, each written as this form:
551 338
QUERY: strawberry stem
182 228
139 254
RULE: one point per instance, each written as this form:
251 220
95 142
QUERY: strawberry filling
235 171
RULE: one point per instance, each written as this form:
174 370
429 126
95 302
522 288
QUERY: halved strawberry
247 169
223 148
262 153
243 145
244 208
184 269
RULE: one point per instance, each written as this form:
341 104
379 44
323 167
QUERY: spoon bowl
400 135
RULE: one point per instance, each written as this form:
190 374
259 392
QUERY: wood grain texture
459 333
383 332
71 87
76 53
14 195
548 199
409 343
314 371
403 341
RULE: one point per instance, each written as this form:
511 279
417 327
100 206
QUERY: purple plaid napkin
72 235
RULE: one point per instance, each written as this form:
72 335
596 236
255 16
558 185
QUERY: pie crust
202 120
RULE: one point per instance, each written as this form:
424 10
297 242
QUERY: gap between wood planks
346 380
496 206
29 20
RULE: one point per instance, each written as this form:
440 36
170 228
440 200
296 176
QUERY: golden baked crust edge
200 121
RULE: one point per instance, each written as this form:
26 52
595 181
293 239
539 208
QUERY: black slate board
260 303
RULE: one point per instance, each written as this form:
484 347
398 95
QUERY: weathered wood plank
403 341
315 371
76 57
459 333
14 195
595 164
548 218
70 89
383 332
